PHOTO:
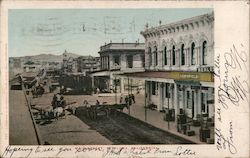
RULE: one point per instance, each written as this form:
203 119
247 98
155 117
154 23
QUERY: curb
38 135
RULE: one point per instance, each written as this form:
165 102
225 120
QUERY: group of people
58 101
86 103
129 99
91 109
37 90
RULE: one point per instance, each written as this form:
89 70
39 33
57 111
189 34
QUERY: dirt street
115 129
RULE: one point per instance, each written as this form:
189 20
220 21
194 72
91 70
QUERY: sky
83 31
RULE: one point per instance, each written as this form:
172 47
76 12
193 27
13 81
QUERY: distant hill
46 57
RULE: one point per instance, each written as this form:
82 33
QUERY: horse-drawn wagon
95 111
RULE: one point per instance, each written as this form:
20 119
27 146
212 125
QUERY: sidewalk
21 129
155 118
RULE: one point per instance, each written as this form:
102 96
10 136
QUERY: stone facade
185 45
185 49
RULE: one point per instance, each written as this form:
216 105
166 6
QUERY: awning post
145 91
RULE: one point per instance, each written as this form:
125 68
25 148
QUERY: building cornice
186 24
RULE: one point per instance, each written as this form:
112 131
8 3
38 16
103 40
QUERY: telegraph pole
128 98
145 91
115 91
168 104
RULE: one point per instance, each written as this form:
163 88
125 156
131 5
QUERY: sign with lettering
195 76
189 76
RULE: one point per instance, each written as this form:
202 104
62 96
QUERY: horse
58 112
44 111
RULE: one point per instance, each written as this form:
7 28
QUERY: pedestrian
88 108
58 100
85 103
130 100
121 99
138 90
62 102
97 103
126 99
97 90
54 102
133 98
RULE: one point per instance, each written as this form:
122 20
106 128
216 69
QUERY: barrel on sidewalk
204 134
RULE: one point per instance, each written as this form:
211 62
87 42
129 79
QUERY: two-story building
179 61
118 58
88 64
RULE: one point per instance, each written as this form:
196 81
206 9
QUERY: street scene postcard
153 81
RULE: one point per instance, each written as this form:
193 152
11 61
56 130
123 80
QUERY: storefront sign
189 76
194 76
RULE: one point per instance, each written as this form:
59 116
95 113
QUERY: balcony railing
205 69
115 67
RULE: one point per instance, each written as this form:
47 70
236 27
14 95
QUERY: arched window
182 55
150 56
173 55
155 56
204 53
130 61
193 55
165 56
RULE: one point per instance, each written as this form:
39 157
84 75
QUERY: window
155 56
182 55
204 53
130 61
188 103
143 60
150 56
167 94
108 62
173 55
116 82
154 88
165 56
116 60
193 55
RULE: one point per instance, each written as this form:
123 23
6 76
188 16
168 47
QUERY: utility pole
145 91
131 83
168 104
128 98
115 91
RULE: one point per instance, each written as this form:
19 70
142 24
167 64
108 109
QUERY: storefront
191 93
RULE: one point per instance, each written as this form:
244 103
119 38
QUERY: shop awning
191 83
175 75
